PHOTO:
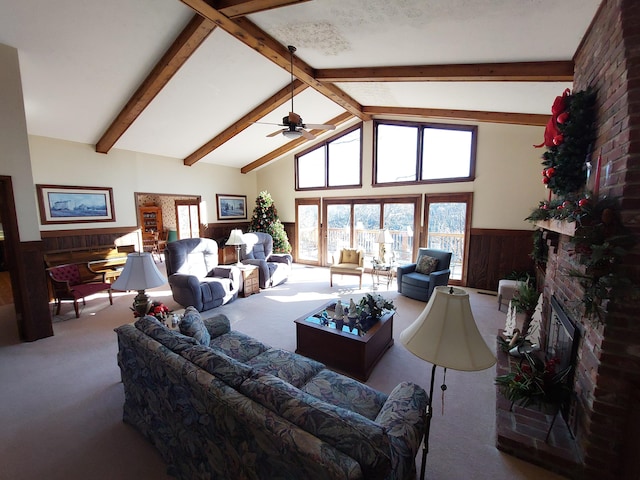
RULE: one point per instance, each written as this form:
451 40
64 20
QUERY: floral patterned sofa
220 404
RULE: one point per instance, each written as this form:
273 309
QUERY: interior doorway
8 239
171 213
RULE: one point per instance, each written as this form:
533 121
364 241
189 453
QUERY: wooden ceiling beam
239 8
243 123
257 39
533 119
556 71
287 147
196 31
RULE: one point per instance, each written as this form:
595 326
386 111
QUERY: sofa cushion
193 326
345 392
426 264
217 325
219 364
290 367
416 279
239 346
347 431
171 339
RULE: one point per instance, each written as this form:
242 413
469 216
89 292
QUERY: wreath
568 137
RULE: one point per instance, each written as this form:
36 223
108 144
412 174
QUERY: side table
250 280
382 274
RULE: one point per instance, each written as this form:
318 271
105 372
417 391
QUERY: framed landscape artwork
231 207
67 204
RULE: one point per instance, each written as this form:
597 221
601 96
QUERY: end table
250 280
382 273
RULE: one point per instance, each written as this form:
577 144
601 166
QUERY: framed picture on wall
67 204
231 207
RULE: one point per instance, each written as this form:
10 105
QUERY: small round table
382 273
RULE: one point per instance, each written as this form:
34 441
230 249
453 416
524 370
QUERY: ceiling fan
295 127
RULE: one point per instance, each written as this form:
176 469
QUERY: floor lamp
446 335
139 273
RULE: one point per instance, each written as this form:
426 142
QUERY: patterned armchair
273 268
75 281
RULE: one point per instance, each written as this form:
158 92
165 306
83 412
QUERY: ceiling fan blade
294 118
268 123
307 135
277 132
320 126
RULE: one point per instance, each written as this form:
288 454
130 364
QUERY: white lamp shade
445 333
235 238
139 273
384 236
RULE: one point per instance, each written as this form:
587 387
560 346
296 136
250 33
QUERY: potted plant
534 382
525 301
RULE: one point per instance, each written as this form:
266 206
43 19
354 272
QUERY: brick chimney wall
607 378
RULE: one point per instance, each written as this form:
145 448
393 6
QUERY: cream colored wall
60 162
507 185
14 146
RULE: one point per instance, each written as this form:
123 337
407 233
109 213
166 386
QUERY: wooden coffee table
344 351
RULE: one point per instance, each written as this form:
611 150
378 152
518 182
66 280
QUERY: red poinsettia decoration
559 115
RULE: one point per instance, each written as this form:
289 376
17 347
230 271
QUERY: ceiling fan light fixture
292 133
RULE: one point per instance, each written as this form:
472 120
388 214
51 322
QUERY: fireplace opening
563 338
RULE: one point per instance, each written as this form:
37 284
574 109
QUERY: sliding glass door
448 223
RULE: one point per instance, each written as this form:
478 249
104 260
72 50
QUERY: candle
596 183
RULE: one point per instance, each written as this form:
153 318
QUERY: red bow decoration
552 135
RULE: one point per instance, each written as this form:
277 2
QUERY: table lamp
384 237
446 335
139 273
235 238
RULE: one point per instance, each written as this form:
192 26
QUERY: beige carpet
61 399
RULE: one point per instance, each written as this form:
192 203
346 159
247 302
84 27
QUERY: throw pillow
426 264
350 256
193 326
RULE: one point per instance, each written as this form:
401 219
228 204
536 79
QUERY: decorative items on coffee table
352 346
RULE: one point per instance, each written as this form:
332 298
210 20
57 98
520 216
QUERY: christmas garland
568 137
600 242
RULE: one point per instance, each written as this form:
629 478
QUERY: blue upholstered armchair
273 268
196 278
435 265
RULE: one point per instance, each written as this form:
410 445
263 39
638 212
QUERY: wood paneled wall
493 254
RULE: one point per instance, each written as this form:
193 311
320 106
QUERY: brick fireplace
603 412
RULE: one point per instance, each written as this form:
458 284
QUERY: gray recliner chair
273 268
196 278
419 286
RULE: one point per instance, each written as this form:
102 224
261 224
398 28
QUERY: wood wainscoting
494 254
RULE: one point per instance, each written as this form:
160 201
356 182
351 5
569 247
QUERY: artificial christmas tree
265 219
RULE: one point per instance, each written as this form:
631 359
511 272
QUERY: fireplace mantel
564 228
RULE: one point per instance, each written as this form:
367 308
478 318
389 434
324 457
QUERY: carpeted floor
61 398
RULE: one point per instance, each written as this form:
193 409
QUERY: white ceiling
81 60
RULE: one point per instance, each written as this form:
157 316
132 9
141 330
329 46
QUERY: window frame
325 145
421 126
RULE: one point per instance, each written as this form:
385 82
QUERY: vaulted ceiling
189 78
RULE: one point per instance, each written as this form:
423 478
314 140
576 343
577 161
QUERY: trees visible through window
332 164
424 153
